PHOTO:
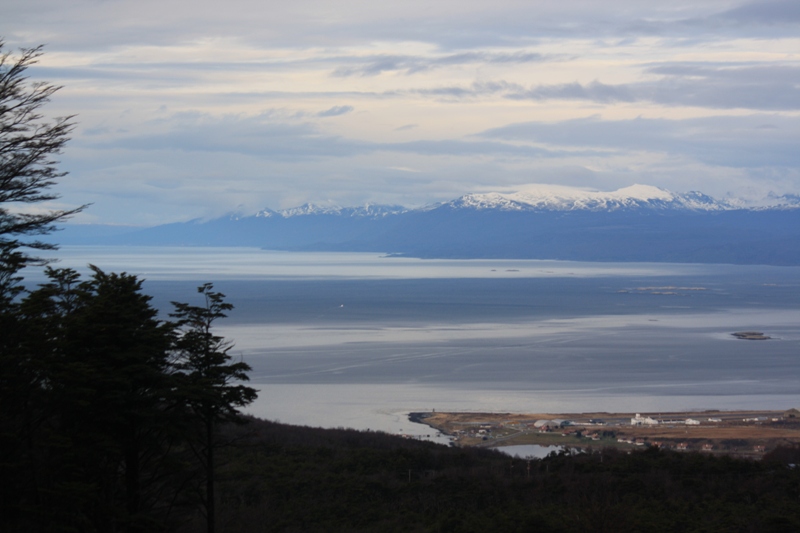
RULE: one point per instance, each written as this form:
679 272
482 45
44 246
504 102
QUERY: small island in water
751 335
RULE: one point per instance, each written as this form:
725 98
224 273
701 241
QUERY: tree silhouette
95 410
119 386
210 386
28 143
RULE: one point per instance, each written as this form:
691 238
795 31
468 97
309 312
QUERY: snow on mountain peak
642 192
310 209
367 210
545 197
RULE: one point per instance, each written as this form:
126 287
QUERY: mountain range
637 223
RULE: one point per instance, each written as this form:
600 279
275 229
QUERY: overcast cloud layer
193 109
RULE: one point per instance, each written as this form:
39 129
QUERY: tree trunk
132 489
210 500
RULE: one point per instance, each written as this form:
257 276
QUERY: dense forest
110 416
115 419
285 478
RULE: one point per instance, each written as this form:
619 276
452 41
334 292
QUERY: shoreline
750 433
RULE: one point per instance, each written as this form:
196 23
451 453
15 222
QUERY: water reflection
199 263
360 340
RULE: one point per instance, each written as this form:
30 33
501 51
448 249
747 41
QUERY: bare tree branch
28 170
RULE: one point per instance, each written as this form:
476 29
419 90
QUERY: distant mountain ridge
636 223
368 211
557 198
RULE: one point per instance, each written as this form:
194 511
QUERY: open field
747 433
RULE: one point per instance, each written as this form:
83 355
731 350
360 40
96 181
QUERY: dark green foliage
209 382
27 169
284 478
117 394
211 379
27 172
105 410
96 403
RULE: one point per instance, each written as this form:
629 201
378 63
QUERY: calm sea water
359 340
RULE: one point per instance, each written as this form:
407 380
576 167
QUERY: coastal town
740 433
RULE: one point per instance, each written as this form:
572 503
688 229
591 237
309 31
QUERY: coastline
749 433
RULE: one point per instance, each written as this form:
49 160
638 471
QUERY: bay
360 340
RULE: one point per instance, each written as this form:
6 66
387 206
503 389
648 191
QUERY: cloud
270 136
455 25
335 111
737 141
264 136
202 109
595 92
457 147
760 95
375 65
714 86
474 90
772 13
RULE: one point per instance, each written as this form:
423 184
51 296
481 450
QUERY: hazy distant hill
638 223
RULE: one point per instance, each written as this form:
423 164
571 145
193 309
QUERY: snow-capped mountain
367 210
546 198
560 198
636 223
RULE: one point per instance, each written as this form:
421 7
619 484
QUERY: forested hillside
285 478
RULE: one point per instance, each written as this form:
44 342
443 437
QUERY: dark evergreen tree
99 423
28 143
102 425
27 168
118 393
211 385
48 489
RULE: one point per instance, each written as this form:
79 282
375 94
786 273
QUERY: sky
194 109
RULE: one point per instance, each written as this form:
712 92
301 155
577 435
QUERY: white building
640 420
